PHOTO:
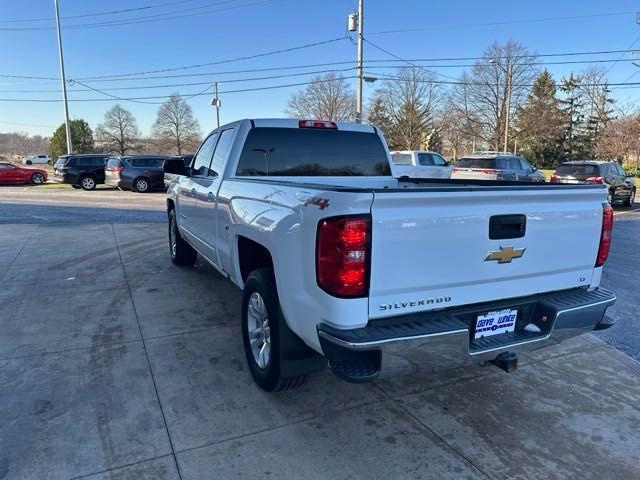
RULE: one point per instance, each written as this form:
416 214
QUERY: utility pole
506 120
359 65
64 81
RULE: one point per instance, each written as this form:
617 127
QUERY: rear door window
312 152
431 160
401 158
202 162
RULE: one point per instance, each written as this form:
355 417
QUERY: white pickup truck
339 261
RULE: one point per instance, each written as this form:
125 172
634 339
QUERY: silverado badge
505 254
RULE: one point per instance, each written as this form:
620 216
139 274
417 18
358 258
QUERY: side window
401 158
203 158
137 162
525 165
221 154
620 170
513 164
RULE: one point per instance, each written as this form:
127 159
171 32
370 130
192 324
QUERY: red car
12 174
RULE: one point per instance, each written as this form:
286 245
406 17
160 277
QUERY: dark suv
139 173
180 159
621 186
81 171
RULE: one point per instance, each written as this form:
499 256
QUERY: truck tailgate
430 246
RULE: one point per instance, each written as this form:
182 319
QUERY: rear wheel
88 183
263 325
181 252
37 179
141 185
629 201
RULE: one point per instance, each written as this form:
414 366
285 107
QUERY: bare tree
329 97
482 93
175 128
119 131
411 99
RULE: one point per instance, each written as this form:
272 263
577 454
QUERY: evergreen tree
81 139
540 123
575 145
379 116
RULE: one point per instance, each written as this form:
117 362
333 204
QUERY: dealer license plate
495 323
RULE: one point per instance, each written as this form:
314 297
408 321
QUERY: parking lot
115 364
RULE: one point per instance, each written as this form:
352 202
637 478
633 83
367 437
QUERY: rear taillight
605 235
317 124
595 180
554 178
342 255
490 171
456 169
115 169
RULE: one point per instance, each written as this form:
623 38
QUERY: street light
509 72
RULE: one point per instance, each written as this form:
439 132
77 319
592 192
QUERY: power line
121 77
189 84
145 19
97 14
220 62
241 90
504 22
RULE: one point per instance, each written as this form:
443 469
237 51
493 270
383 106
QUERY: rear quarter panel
284 220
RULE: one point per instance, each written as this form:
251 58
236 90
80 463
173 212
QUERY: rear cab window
272 151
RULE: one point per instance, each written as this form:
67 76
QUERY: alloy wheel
88 183
259 330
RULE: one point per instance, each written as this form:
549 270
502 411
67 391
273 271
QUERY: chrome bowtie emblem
505 254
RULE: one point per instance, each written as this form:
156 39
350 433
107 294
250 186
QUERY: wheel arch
251 256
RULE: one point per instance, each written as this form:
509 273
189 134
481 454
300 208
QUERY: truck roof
295 123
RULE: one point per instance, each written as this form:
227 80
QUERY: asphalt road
56 204
62 204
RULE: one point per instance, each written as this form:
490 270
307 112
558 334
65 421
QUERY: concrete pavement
114 364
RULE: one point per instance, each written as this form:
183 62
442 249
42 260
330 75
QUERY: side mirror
176 167
533 169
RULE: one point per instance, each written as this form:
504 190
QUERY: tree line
550 120
175 131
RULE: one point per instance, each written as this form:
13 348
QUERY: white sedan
36 160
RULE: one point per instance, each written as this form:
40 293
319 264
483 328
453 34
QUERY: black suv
81 171
622 188
138 173
180 159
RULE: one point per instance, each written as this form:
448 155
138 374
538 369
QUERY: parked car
420 164
170 164
81 170
139 173
496 166
338 264
35 160
13 174
622 187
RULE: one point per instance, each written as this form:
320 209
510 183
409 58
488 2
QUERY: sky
171 34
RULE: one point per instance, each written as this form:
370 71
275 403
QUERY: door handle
210 197
193 192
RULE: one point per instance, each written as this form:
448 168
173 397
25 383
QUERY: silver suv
496 166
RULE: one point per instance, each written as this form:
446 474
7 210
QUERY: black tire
29 162
37 179
269 377
87 182
629 201
181 252
141 185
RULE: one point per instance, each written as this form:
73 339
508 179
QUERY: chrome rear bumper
444 339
